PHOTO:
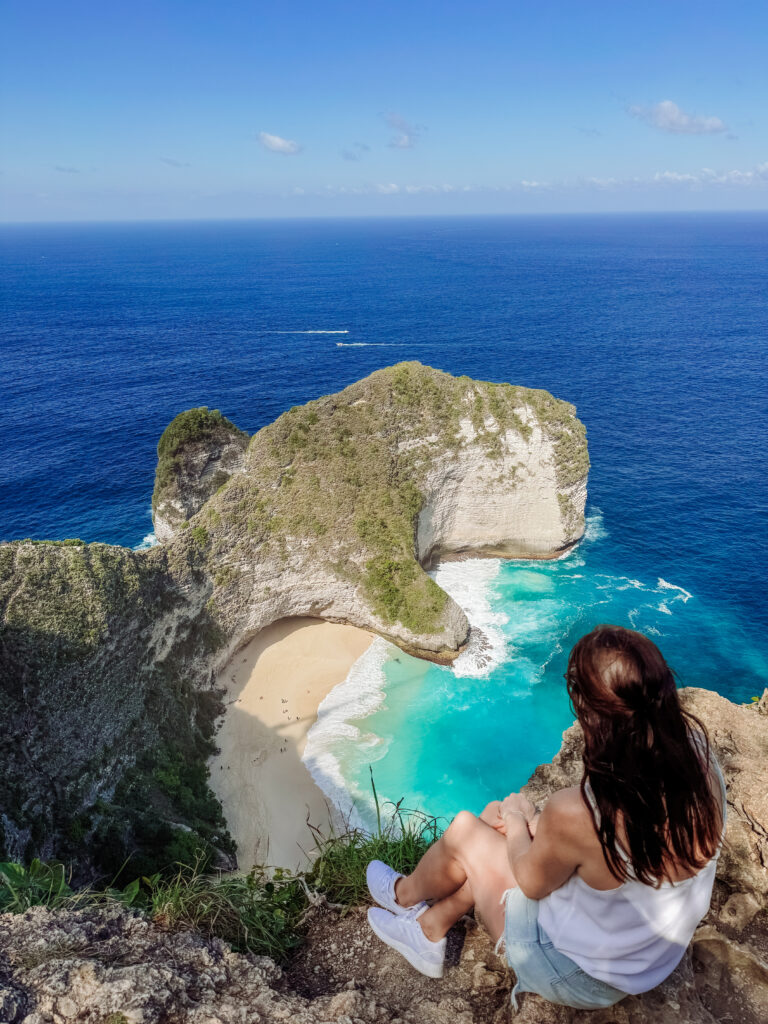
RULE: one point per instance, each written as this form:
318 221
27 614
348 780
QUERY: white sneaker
381 880
403 933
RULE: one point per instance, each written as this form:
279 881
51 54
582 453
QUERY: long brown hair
640 756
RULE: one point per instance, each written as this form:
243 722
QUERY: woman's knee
462 826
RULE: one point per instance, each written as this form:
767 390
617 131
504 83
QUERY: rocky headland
114 966
109 657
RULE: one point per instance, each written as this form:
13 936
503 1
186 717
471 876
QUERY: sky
187 109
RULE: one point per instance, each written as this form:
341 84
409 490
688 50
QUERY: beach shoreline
273 688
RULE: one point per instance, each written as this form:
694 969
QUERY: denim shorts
542 969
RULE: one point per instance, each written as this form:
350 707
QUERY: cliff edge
113 965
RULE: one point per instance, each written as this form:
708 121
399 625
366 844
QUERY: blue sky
135 110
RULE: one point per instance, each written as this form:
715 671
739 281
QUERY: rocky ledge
108 656
115 967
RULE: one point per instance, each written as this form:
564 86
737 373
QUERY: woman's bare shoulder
567 810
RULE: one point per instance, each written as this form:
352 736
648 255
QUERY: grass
254 912
261 912
339 869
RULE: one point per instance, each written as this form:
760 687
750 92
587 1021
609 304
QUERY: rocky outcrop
197 453
342 502
84 966
333 511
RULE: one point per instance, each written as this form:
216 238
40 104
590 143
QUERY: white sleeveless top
633 936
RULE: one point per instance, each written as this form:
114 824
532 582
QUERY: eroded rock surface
83 966
199 451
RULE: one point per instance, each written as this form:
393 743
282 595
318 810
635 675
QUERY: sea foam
470 584
361 693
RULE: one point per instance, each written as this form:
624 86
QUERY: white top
633 936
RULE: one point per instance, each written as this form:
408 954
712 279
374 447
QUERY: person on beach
597 896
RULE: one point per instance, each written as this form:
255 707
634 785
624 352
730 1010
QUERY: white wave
149 542
594 527
682 594
368 344
306 332
619 583
469 584
361 693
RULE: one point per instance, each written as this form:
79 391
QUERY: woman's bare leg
444 914
469 851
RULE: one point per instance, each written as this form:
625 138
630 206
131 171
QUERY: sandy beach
273 688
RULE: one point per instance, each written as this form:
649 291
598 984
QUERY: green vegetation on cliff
192 428
343 478
261 912
104 748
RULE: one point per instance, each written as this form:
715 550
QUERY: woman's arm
543 864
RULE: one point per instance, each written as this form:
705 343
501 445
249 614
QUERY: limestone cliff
87 965
197 453
341 502
107 656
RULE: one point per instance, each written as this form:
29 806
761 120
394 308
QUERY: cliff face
85 965
87 696
342 502
107 656
198 452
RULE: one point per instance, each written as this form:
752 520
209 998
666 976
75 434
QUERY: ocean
655 327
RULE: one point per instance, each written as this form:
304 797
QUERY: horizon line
384 216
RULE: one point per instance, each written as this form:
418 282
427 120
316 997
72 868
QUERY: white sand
274 686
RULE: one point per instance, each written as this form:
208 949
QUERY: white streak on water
682 594
362 692
149 542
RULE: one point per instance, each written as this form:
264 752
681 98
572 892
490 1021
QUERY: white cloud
706 177
406 134
668 117
675 178
279 145
758 176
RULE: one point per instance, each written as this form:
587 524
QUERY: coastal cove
647 325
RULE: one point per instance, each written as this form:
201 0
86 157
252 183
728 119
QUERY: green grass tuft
261 912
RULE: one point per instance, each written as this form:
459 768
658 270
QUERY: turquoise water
447 738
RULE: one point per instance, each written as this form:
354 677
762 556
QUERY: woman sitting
599 895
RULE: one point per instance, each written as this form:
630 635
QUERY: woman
599 895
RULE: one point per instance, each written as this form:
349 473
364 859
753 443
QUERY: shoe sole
422 966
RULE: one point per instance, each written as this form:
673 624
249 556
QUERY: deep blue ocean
655 327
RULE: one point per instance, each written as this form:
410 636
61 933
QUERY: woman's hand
516 803
492 816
